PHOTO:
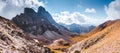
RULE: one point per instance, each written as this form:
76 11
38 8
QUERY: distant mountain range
79 28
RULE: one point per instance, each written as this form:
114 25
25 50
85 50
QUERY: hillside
102 39
14 40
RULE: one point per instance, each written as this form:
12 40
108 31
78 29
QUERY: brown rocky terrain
102 39
14 40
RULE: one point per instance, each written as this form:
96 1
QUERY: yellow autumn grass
106 40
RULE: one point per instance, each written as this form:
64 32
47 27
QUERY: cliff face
13 40
103 39
41 25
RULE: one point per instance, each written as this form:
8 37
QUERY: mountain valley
37 32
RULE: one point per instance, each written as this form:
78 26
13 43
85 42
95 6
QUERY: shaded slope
105 40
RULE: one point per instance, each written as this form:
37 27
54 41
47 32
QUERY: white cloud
10 8
75 17
90 10
113 10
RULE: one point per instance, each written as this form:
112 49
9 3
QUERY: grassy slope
103 41
110 43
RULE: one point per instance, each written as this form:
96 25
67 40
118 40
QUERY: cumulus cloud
68 18
10 8
113 10
90 10
76 17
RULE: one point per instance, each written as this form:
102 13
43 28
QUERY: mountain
14 40
79 28
41 25
45 14
105 38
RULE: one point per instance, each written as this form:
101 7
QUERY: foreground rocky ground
13 40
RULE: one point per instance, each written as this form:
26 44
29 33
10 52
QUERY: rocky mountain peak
29 11
41 10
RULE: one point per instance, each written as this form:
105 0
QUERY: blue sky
93 12
90 12
56 6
